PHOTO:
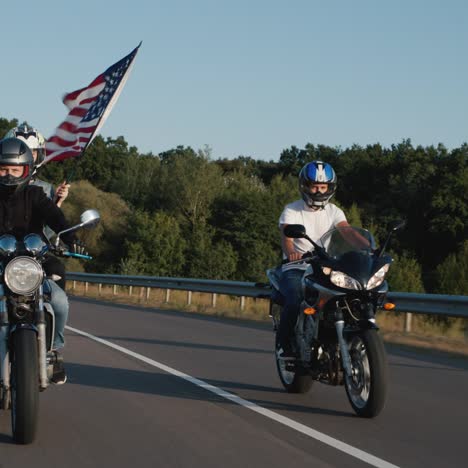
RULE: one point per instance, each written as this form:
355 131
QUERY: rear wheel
367 388
24 386
294 378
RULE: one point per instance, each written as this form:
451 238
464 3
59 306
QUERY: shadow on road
232 321
446 361
184 344
166 385
6 439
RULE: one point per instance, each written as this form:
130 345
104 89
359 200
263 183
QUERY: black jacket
27 211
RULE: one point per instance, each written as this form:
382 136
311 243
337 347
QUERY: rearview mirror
90 218
295 231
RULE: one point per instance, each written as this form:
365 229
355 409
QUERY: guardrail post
408 322
99 288
147 294
242 302
213 300
86 287
168 295
74 285
130 289
189 297
114 290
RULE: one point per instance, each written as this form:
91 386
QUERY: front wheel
24 386
293 377
367 388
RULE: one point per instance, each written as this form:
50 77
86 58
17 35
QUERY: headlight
344 281
378 278
23 275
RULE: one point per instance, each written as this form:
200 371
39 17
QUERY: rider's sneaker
59 376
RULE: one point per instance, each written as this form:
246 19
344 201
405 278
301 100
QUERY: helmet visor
26 134
13 175
317 189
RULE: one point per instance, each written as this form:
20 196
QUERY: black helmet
15 152
317 172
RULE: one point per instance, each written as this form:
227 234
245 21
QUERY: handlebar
306 256
76 255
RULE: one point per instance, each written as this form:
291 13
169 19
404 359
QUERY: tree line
183 213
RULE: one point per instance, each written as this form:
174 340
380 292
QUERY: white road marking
332 442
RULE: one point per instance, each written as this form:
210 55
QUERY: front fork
39 319
41 340
4 356
345 357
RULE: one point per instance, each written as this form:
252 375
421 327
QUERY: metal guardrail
434 304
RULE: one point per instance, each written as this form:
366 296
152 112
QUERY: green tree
452 274
154 245
6 125
188 184
103 242
405 275
448 207
206 258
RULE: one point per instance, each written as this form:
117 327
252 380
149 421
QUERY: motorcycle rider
36 142
25 209
317 185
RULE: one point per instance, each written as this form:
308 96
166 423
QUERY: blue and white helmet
317 172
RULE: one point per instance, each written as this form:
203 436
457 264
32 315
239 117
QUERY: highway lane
118 410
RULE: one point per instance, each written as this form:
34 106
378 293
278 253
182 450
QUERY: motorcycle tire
24 386
296 380
367 388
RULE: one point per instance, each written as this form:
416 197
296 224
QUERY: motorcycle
27 325
336 338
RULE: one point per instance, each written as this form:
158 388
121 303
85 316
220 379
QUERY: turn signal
310 311
389 306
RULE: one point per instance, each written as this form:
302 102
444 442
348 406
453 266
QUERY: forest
182 213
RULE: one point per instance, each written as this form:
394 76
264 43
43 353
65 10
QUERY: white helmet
32 137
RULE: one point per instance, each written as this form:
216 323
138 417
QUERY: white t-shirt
316 223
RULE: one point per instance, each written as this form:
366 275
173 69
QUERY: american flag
89 108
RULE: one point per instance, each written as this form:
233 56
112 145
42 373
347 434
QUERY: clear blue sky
247 77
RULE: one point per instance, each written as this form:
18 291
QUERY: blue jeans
291 288
59 302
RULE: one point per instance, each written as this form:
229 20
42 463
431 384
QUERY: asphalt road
183 390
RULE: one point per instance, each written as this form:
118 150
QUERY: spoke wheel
367 387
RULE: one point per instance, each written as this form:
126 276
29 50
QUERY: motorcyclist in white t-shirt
317 185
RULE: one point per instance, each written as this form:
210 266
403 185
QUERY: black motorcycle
336 338
27 325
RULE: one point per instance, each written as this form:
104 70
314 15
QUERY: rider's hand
61 193
294 256
78 247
